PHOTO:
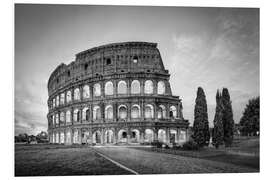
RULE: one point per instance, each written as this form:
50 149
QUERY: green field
59 160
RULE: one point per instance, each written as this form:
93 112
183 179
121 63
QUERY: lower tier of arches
128 135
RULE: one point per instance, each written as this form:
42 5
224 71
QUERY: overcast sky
207 47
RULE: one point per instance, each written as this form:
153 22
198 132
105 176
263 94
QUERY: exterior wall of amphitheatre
116 93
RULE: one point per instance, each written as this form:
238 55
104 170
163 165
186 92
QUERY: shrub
190 145
157 144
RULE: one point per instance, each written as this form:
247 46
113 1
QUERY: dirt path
145 162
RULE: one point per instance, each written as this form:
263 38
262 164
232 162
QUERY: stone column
167 135
102 136
177 138
142 87
142 135
155 87
155 134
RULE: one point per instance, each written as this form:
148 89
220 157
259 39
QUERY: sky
208 47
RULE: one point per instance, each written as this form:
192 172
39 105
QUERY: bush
157 144
190 145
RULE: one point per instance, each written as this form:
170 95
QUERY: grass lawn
56 160
244 152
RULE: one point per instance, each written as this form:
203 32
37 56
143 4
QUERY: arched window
149 135
53 102
62 99
56 119
62 118
96 113
97 90
173 112
161 112
68 96
161 87
122 112
76 136
68 114
122 87
86 92
149 111
85 113
109 112
135 87
135 111
77 94
148 87
57 101
109 88
76 115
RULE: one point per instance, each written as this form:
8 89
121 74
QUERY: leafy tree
250 121
227 118
201 134
218 125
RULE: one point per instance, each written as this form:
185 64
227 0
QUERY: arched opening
135 136
97 137
122 87
62 138
97 89
57 137
109 112
85 113
173 112
135 87
109 136
161 87
122 136
86 92
173 134
76 115
68 96
96 113
57 119
109 88
149 135
161 112
76 137
135 111
162 136
122 112
77 94
62 98
148 87
57 101
68 118
62 118
68 137
149 111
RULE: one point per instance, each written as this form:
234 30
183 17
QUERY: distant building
116 93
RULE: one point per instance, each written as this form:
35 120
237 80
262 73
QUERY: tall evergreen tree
217 137
250 121
227 119
201 134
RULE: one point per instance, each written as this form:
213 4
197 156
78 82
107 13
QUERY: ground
31 160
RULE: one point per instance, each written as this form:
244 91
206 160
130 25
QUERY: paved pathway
145 162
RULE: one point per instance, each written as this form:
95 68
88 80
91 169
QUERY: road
144 162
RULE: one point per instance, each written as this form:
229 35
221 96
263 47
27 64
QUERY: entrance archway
97 137
162 135
135 136
109 136
122 136
173 135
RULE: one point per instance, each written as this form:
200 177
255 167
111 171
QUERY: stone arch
173 135
68 116
86 92
135 136
148 87
68 136
56 118
62 118
109 88
76 136
135 87
76 115
122 135
97 89
96 113
68 96
85 114
57 137
57 101
162 135
149 135
149 111
122 111
77 94
62 137
135 111
109 136
122 87
109 112
96 137
161 87
62 98
173 112
161 112
53 103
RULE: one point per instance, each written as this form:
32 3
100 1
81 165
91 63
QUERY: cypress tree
201 134
217 138
227 119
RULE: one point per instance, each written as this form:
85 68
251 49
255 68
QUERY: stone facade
116 93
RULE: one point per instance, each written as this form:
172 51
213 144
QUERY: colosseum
113 94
